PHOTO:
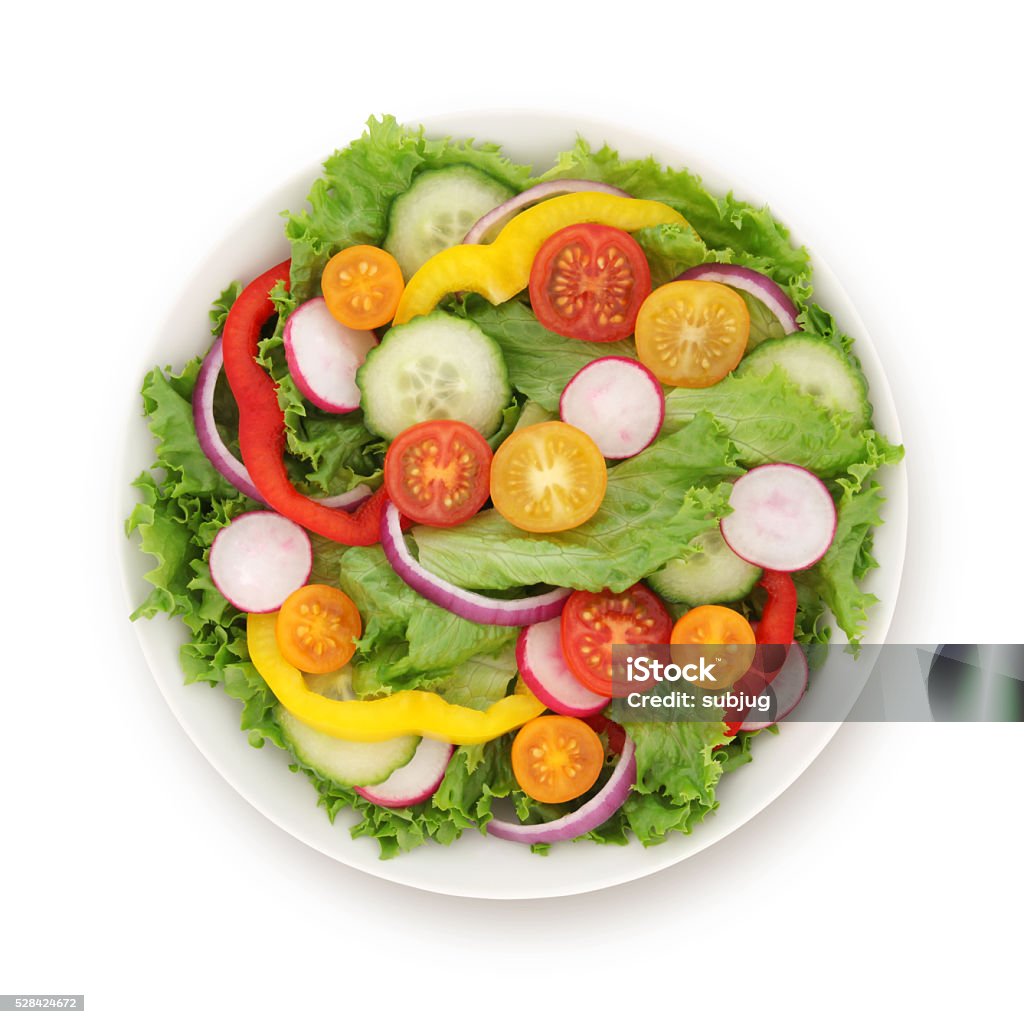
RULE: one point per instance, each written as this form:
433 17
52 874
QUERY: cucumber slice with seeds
818 368
345 762
713 575
437 211
435 367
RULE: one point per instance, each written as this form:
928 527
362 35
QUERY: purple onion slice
596 811
489 611
750 281
207 433
493 221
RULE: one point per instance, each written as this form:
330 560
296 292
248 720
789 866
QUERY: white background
885 881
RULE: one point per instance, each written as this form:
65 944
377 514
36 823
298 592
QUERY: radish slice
543 668
260 558
221 457
788 688
596 811
489 611
323 356
491 223
209 438
783 517
618 402
414 782
750 281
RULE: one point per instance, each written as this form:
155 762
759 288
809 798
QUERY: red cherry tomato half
593 623
438 472
589 281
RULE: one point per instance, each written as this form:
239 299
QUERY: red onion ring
488 611
750 281
209 437
496 217
221 457
596 811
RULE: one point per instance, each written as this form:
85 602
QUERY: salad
486 423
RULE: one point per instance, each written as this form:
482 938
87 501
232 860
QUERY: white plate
475 865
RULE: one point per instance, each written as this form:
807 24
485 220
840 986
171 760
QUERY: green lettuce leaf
408 640
673 248
678 768
723 223
539 362
835 579
167 404
221 306
349 205
656 503
182 506
482 680
770 420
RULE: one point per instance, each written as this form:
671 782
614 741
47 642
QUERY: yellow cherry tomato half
556 758
548 477
317 628
726 632
362 286
691 334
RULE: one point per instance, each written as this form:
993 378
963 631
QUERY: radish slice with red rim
543 668
414 782
596 811
221 457
489 611
323 356
743 279
618 402
260 558
492 222
787 689
782 518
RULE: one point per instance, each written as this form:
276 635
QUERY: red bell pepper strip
261 432
774 634
778 620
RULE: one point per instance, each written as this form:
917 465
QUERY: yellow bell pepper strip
500 270
411 712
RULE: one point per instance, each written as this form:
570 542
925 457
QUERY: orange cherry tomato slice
438 472
588 281
593 623
556 758
548 477
362 286
730 636
691 334
317 627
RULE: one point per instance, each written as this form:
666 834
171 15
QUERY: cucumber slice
437 211
713 575
818 368
345 762
435 367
